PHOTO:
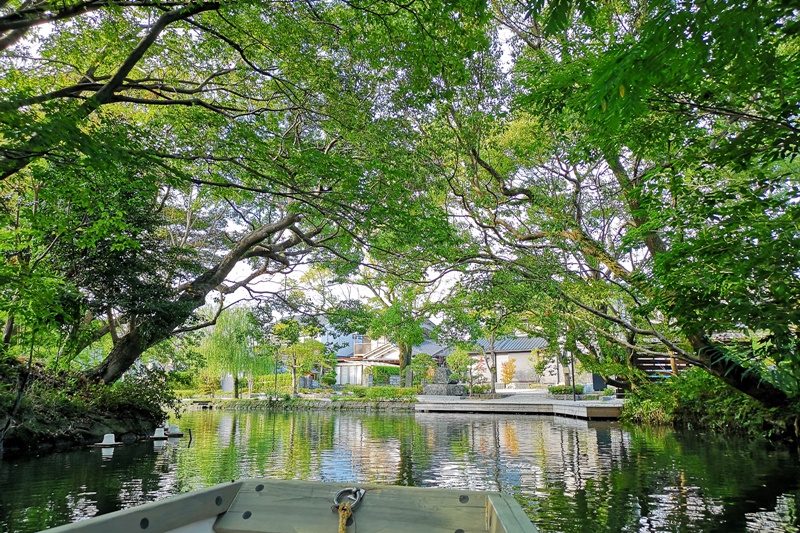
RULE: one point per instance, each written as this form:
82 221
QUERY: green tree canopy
152 154
301 353
631 171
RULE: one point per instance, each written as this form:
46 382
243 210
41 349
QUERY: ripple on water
569 475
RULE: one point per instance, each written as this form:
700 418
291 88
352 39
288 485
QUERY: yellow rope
345 512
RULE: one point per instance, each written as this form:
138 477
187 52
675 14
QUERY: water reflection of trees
569 475
607 479
579 476
302 445
47 491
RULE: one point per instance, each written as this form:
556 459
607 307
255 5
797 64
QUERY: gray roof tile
515 344
430 348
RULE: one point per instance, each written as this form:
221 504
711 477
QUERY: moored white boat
283 506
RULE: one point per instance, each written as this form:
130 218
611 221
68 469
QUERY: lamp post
572 373
276 344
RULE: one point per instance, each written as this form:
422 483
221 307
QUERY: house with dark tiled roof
527 352
356 353
515 345
368 352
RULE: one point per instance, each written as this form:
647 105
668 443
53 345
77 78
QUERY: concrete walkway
533 402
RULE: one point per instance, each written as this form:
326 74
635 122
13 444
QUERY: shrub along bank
300 404
694 399
61 410
352 398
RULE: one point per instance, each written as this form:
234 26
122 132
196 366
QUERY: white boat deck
284 506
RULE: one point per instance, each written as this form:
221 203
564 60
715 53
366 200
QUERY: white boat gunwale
288 506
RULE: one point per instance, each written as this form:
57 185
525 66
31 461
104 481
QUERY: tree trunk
162 326
630 360
121 357
294 373
709 357
706 354
491 362
405 361
8 332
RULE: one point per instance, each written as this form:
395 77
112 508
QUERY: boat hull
284 506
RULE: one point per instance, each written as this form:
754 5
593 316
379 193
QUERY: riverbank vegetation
60 410
695 400
620 179
352 397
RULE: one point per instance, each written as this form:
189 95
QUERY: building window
361 344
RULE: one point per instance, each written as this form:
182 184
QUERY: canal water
569 476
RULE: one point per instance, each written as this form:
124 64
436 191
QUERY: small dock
523 404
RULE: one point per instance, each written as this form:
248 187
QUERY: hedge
565 389
380 374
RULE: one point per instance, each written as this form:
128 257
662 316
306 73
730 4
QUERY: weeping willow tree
233 347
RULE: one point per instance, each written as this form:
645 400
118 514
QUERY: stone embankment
303 404
37 438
